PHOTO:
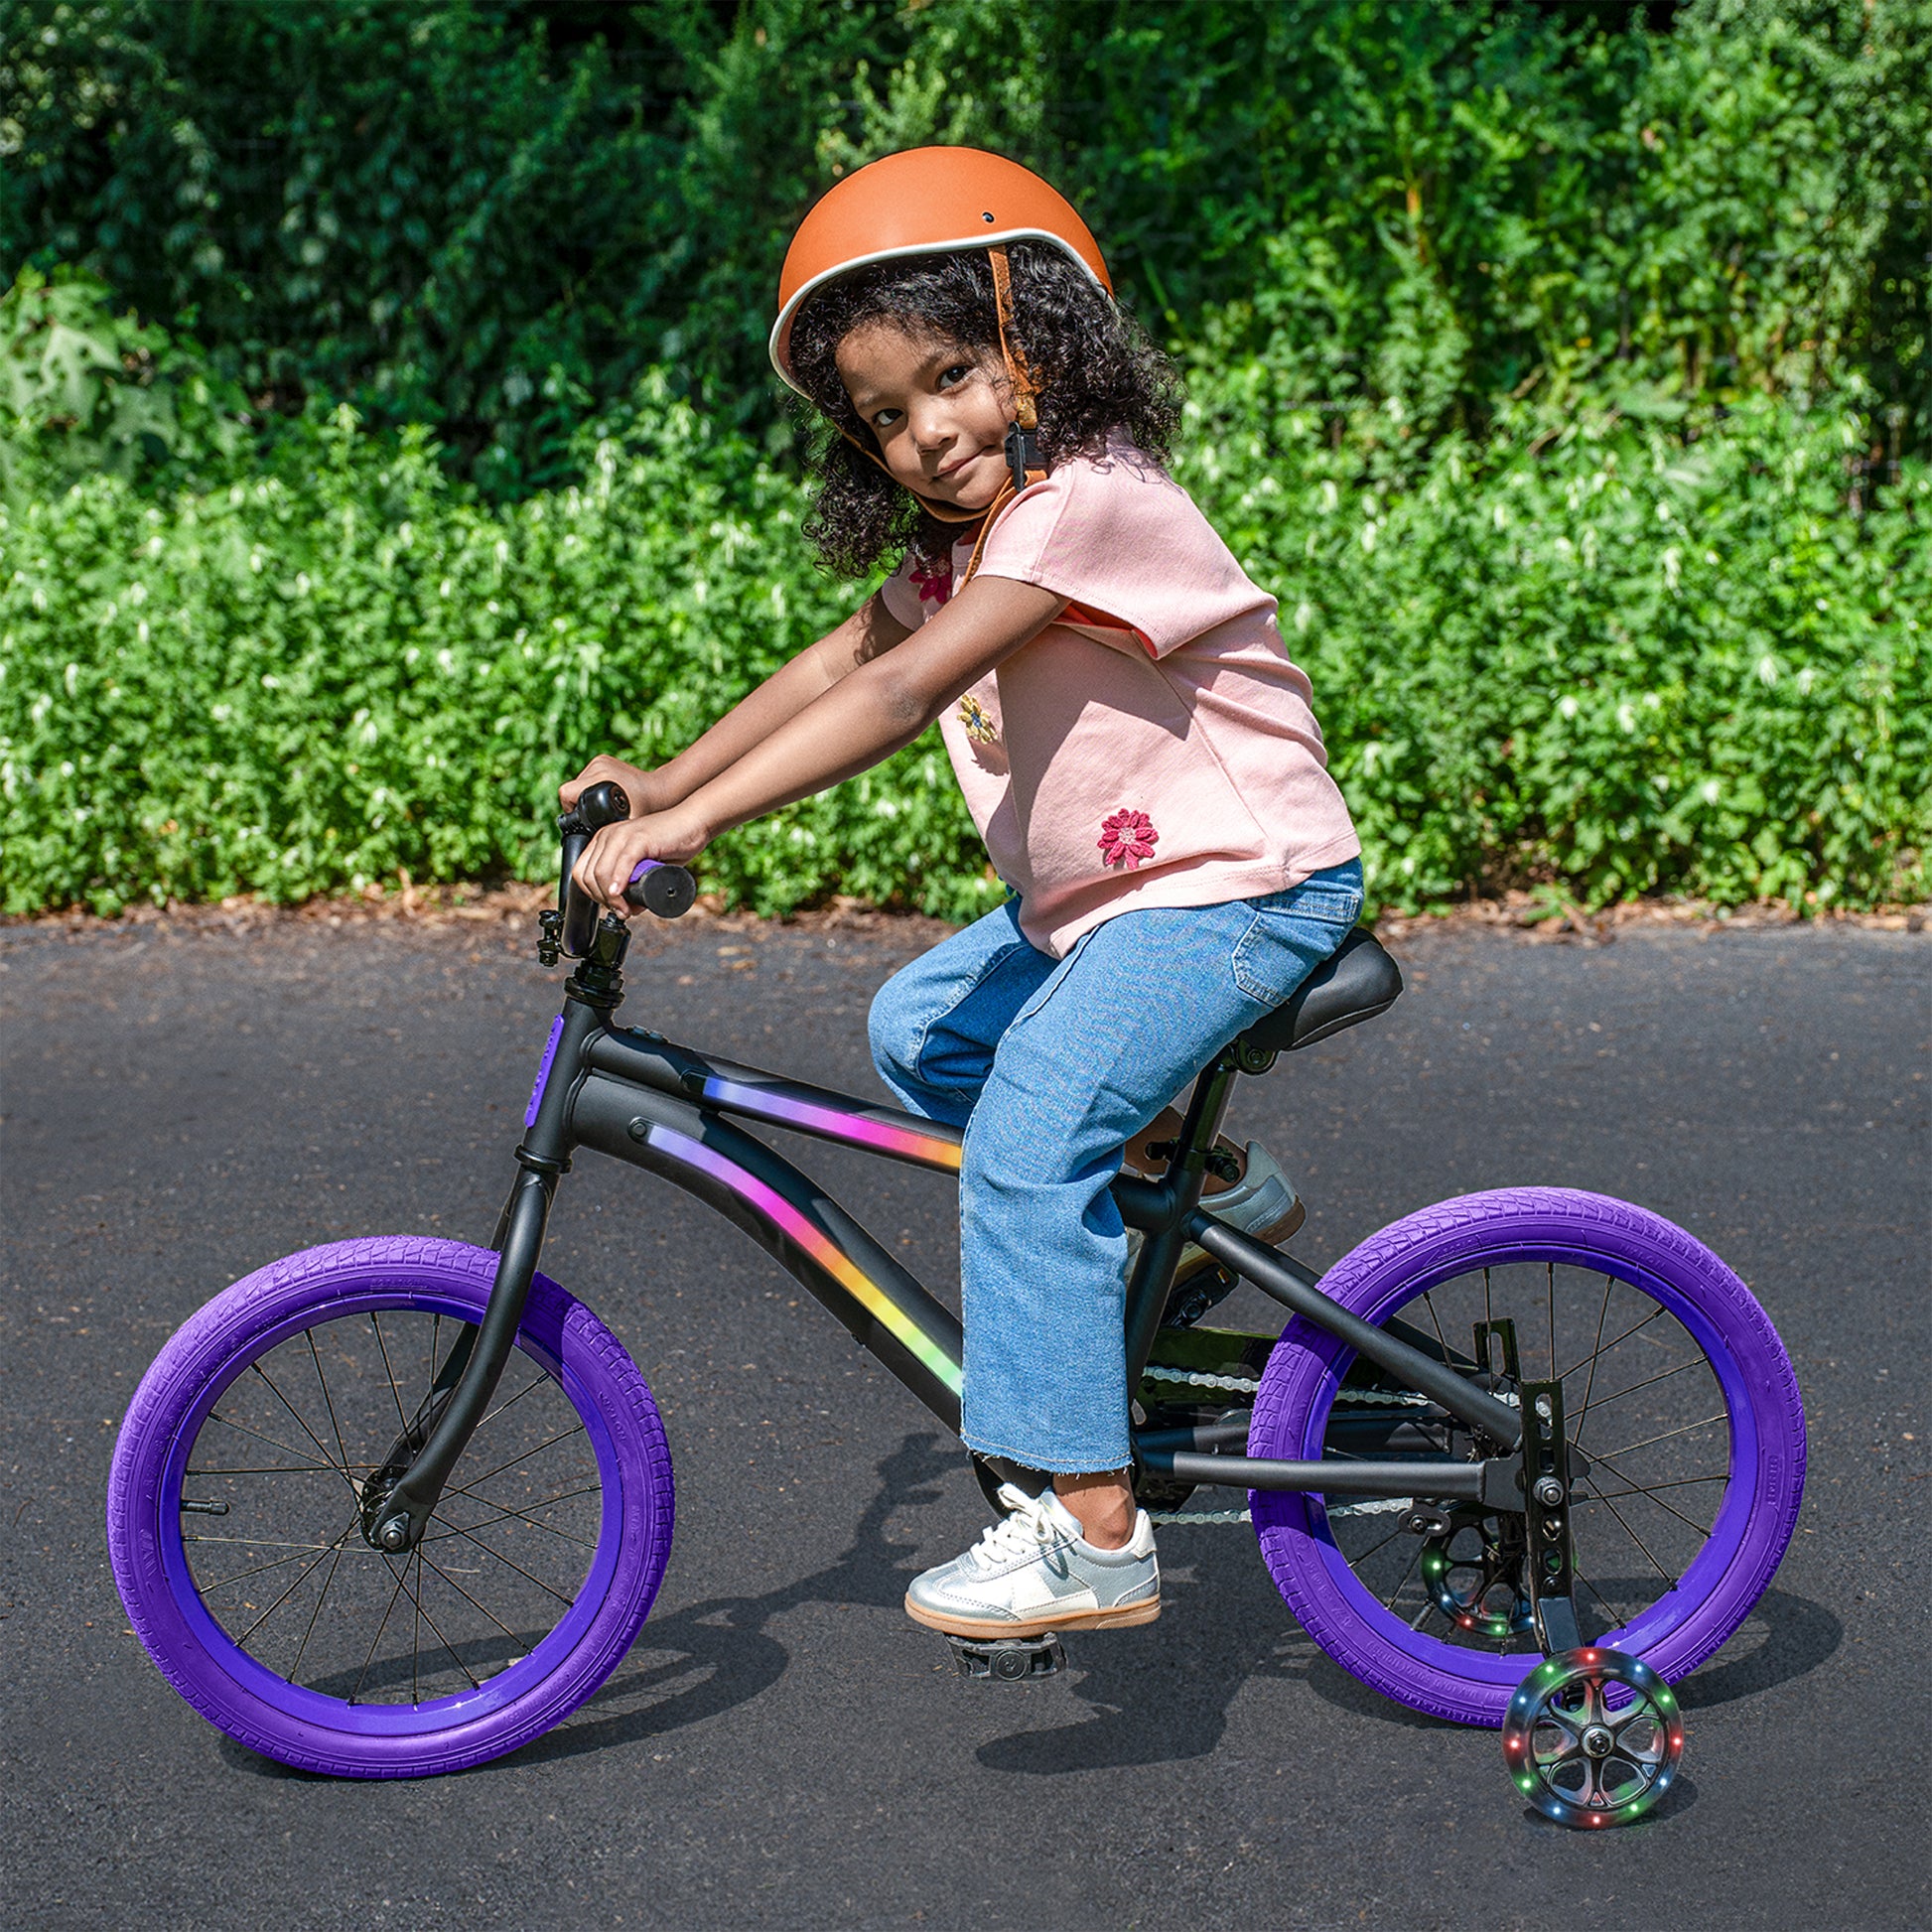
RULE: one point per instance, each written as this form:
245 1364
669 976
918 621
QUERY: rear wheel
233 1514
1675 1389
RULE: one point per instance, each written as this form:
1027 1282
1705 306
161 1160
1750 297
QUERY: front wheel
233 1514
1675 1388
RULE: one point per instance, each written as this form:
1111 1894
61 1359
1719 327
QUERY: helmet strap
1023 461
1025 464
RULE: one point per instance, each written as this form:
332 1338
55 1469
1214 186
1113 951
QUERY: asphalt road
783 1748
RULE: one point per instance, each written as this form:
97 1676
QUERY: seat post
1153 1278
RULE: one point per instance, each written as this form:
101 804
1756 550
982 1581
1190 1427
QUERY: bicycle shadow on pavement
728 1638
1162 1693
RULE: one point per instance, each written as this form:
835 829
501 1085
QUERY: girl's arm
883 703
871 630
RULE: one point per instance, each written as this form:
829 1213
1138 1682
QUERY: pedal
1010 1660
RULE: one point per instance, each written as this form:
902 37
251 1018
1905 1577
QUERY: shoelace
1029 1529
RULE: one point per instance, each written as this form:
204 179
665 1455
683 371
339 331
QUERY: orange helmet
924 201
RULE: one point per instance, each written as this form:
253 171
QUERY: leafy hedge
1593 654
491 215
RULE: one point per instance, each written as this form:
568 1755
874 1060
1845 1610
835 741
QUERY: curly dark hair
1097 371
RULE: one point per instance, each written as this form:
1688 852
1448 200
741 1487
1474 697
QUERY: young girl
1137 752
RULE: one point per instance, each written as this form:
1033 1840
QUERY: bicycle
1524 1459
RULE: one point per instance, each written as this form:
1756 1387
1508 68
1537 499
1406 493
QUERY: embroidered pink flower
1127 838
933 585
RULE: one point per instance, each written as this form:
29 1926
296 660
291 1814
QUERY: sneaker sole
1126 1615
1192 1257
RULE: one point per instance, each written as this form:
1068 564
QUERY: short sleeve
1118 538
901 596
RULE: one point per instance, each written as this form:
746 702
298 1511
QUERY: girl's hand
646 790
605 869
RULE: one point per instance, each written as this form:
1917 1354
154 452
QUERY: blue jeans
1052 1066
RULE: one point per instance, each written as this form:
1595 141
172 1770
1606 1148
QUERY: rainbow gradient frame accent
669 1110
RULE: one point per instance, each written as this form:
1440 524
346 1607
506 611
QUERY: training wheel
1593 1737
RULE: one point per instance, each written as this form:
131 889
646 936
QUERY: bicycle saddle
1360 981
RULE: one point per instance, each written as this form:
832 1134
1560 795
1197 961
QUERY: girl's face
939 410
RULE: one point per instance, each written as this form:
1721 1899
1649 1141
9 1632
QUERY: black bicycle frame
670 1109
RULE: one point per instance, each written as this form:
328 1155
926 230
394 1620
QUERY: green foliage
1615 662
1542 362
303 682
492 215
1598 657
89 390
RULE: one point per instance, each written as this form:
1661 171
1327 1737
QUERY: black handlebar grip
602 804
668 890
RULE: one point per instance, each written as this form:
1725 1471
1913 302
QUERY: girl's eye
957 373
886 418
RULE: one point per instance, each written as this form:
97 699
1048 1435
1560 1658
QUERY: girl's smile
939 411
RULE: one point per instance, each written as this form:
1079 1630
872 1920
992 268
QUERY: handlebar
667 890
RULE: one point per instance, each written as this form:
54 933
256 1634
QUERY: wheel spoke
422 1612
491 1550
321 1447
468 1599
273 1469
1550 1270
241 1642
287 1448
301 1649
388 1609
395 1391
260 1542
1702 1529
536 1381
341 1448
1670 1581
504 1511
1414 1556
1630 1448
241 1576
1634 1329
1662 1375
1675 1482
1441 1341
562 1436
1596 1350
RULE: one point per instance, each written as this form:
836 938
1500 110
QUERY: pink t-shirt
1153 746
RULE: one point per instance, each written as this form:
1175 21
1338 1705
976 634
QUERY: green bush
491 215
1595 655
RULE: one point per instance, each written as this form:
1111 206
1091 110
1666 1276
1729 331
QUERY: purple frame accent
543 1072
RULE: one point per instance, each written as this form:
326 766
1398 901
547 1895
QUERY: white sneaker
1263 1203
1035 1572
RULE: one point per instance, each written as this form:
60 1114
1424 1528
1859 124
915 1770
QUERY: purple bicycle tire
1532 1225
300 1727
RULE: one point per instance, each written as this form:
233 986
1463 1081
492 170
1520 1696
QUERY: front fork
396 1514
400 1499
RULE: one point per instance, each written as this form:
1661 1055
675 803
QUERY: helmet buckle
1023 456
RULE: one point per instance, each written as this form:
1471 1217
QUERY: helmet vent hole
988 215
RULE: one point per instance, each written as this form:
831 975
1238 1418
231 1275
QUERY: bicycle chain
1376 1506
1197 1379
1245 1385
